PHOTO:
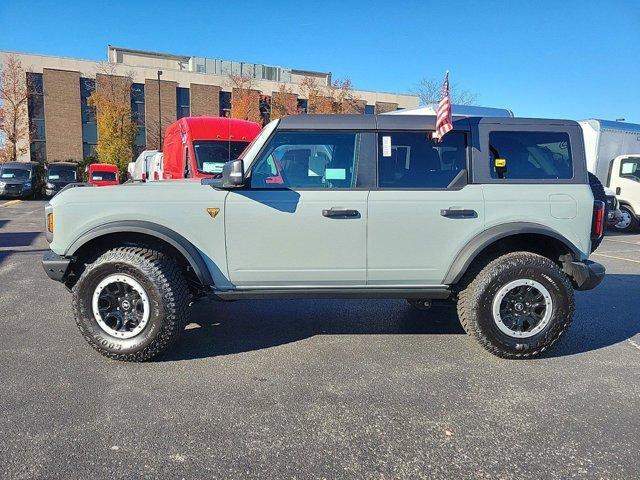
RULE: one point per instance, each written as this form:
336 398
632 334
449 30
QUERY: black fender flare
184 246
473 248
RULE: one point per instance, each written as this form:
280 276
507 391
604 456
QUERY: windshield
102 176
15 173
211 155
65 174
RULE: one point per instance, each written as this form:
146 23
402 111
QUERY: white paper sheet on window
628 168
212 167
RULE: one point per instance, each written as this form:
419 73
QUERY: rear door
302 222
423 210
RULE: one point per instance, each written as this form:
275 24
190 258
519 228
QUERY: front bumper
586 274
56 266
16 193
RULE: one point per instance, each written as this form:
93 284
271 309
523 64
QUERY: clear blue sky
568 59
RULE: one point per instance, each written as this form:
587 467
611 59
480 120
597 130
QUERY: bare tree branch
428 90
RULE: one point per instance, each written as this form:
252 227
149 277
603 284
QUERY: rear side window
413 160
308 160
530 155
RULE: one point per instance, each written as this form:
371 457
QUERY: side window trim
458 182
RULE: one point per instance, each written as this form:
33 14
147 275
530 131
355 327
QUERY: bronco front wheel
130 303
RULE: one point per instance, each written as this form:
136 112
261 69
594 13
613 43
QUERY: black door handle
618 191
458 213
340 213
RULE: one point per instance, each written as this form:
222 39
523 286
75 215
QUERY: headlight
27 184
50 185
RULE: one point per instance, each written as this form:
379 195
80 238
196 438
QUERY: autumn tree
429 89
318 100
344 99
15 90
283 102
116 128
336 97
245 99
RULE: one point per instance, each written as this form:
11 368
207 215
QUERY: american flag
444 122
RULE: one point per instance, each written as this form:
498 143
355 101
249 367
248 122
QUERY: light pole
159 114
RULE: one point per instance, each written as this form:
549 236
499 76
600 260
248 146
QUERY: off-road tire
476 300
168 294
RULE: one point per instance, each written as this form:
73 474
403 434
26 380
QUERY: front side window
413 160
630 168
308 160
530 155
211 155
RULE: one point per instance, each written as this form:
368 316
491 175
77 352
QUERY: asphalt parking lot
314 389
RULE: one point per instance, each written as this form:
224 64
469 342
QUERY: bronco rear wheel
130 303
518 305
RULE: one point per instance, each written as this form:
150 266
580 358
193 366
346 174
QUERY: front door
422 212
302 222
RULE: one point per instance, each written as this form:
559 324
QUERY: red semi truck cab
198 147
102 174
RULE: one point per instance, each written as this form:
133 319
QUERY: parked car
21 179
58 175
198 147
103 174
488 218
613 155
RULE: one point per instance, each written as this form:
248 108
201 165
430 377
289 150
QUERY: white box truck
613 155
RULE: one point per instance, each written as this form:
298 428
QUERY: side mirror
233 174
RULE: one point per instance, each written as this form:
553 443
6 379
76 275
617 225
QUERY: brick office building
65 128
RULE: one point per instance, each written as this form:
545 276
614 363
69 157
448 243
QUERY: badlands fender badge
213 212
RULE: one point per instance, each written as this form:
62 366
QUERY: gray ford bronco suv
498 217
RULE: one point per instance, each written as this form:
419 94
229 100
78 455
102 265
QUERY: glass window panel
308 160
531 155
413 160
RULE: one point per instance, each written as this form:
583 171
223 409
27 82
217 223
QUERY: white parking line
616 258
635 344
608 239
10 202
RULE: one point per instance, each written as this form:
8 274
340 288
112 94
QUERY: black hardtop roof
401 122
20 165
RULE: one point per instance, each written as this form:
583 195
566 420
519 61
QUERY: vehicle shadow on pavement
18 239
5 254
605 316
227 328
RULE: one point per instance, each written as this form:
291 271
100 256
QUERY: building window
303 104
265 109
225 104
137 113
35 107
369 109
89 126
183 105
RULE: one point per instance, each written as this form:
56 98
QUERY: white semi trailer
613 155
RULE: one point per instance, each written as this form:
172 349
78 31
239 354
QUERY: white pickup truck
613 155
